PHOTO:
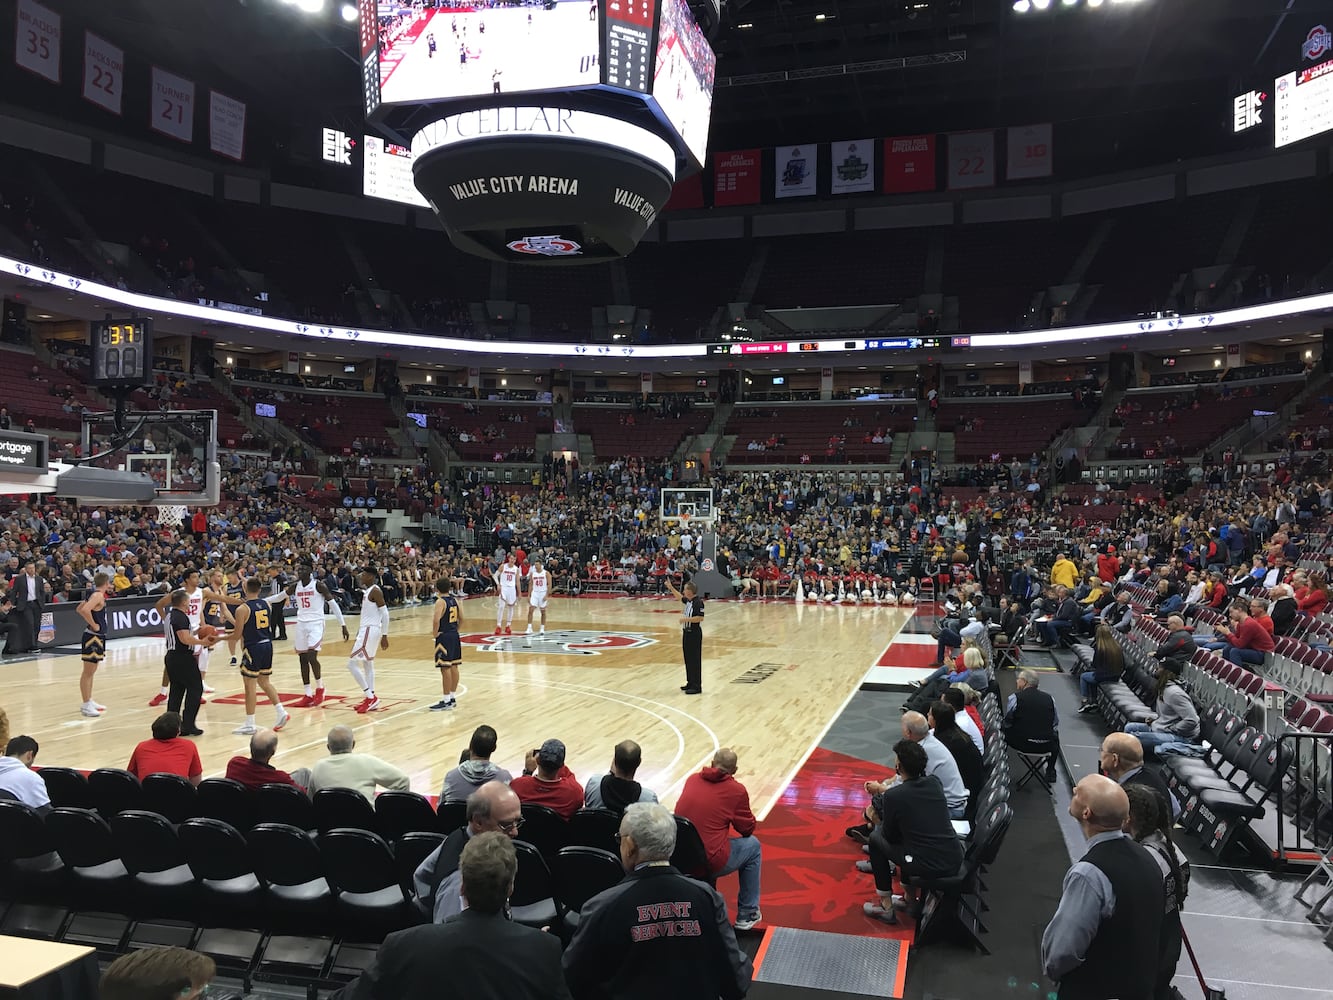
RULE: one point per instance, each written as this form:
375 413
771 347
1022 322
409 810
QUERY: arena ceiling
814 70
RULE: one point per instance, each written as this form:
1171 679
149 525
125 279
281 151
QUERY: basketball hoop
684 520
172 515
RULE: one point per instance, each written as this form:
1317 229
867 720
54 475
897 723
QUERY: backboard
177 448
688 504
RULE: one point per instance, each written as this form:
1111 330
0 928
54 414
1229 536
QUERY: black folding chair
228 801
286 804
30 868
370 898
533 901
343 809
399 813
171 796
229 890
544 829
66 787
450 816
412 849
581 873
287 859
595 828
150 849
114 790
690 857
98 878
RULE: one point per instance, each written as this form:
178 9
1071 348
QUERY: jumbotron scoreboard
547 131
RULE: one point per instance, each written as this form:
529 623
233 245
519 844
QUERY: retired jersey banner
736 177
37 39
971 160
909 164
1030 153
795 170
172 111
103 72
853 166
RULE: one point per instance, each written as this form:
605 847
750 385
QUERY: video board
683 76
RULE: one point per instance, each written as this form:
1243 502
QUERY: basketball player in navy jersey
448 645
235 589
93 611
254 620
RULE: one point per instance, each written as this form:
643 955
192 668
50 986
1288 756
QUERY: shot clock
122 353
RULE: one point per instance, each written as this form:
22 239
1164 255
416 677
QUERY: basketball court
775 676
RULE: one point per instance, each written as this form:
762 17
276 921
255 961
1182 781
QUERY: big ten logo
138 618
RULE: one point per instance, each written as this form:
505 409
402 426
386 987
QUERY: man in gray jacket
474 772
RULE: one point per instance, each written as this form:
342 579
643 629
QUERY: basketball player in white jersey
372 634
309 596
195 598
507 580
538 588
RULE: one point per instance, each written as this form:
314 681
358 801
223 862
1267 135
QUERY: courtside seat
1222 812
30 868
164 885
287 860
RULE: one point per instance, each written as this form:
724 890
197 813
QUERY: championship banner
226 125
103 73
909 164
172 111
853 166
795 169
971 160
1030 153
736 177
37 40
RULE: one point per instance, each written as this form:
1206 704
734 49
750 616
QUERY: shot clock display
122 352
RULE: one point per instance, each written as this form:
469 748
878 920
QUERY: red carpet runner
809 875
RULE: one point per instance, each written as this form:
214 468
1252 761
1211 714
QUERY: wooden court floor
775 676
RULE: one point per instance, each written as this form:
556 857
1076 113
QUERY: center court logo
560 642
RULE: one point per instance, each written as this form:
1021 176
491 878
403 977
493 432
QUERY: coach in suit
27 592
476 954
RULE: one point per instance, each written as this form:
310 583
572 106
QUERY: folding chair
1036 768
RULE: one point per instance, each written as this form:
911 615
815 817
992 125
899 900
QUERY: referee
691 635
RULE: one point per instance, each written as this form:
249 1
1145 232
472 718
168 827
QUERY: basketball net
685 520
172 514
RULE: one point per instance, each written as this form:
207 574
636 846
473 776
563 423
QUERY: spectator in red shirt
716 803
1248 640
547 782
258 769
1315 598
166 752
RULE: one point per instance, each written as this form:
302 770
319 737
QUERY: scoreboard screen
683 76
1303 104
435 54
629 44
387 173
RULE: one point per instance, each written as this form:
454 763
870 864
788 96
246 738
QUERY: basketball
207 632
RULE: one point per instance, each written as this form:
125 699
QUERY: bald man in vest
1102 943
